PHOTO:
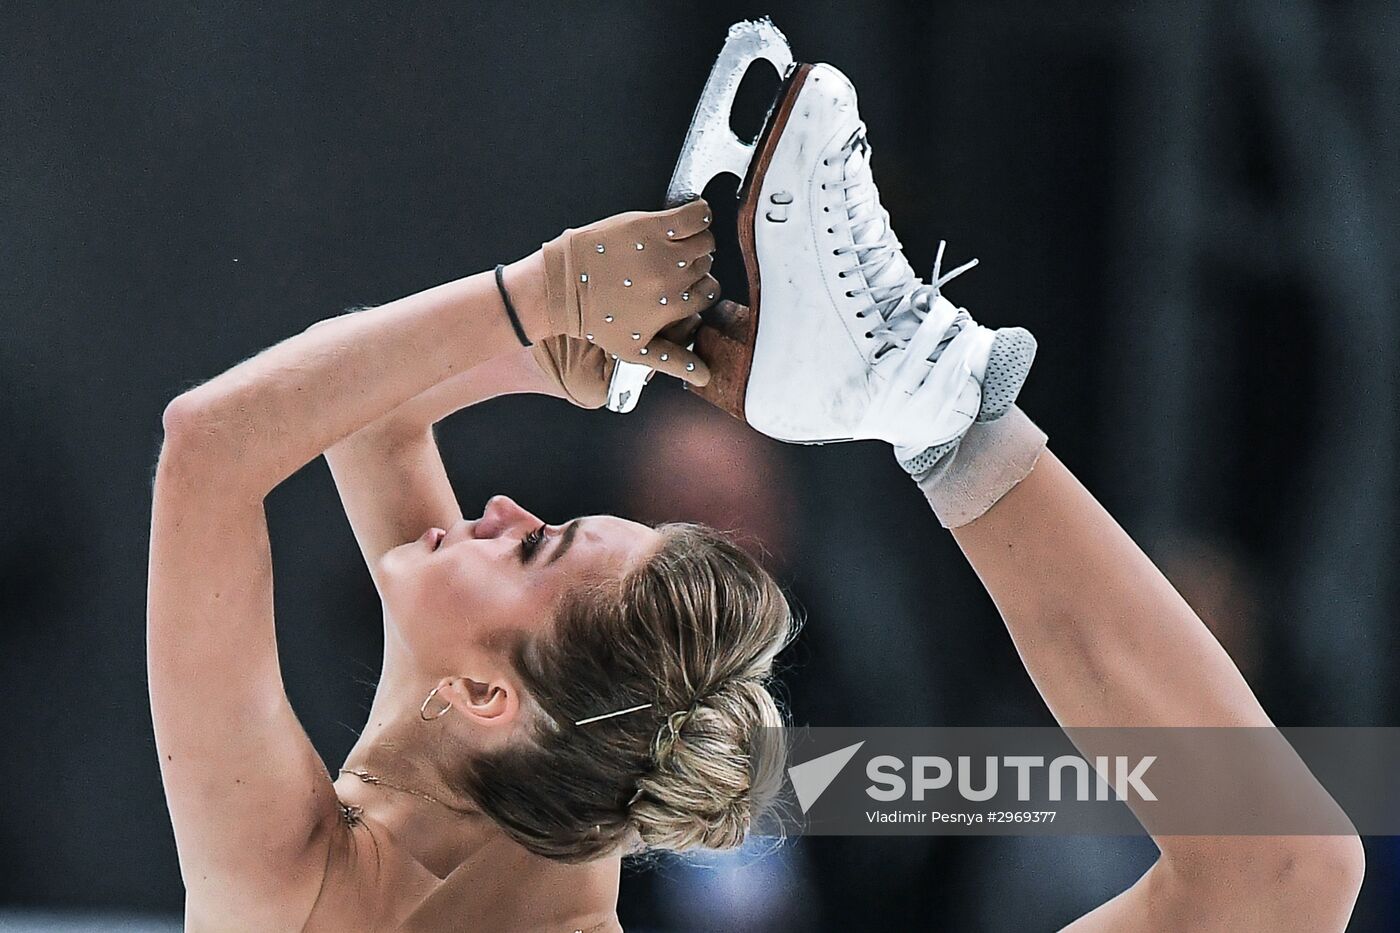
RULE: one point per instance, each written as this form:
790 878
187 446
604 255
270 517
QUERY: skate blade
711 149
728 331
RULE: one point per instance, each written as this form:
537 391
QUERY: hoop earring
423 710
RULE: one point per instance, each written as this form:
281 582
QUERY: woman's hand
617 284
581 371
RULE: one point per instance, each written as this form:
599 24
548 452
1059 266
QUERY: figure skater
554 697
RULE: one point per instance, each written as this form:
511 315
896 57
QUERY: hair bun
701 792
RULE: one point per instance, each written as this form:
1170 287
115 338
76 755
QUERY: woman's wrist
525 282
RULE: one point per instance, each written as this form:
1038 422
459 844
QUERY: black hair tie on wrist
510 308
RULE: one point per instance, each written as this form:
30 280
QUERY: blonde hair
694 632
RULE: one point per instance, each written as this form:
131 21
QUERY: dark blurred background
1193 205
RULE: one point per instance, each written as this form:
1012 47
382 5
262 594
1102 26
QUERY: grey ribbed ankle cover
990 459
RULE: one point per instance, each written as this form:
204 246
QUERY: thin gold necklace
368 778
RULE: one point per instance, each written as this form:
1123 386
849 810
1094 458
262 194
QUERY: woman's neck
480 867
403 765
481 872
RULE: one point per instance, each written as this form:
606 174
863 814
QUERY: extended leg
1104 635
1109 642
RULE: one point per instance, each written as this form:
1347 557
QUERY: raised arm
1109 642
252 806
389 473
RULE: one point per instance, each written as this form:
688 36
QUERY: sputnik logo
811 778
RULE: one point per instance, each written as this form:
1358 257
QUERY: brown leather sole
725 339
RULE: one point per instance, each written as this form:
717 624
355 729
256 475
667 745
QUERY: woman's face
483 582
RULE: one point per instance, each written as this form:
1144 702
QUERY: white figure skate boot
842 341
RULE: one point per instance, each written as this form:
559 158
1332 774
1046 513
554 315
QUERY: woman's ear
492 702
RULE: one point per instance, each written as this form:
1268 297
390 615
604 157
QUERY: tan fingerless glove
619 282
579 369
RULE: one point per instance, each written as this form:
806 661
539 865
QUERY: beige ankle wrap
989 461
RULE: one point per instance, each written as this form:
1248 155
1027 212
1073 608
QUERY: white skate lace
898 297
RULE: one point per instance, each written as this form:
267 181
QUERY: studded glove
581 370
621 281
